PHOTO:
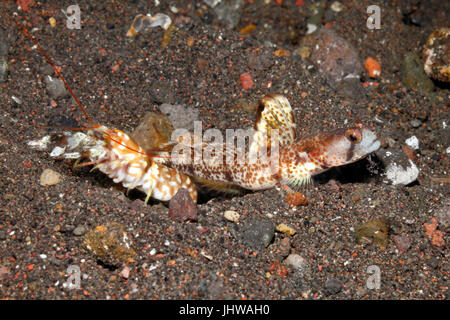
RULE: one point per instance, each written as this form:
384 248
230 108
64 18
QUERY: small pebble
283 228
304 52
229 12
413 142
232 216
182 207
404 176
415 123
125 273
4 48
338 61
436 157
436 55
433 262
50 178
372 67
399 168
79 231
143 23
413 75
336 6
110 243
4 271
297 262
55 87
295 199
375 230
52 22
153 131
442 214
16 100
435 236
285 247
246 81
402 242
258 234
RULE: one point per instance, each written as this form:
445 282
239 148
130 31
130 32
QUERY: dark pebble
55 87
55 261
436 157
402 242
433 262
182 207
332 286
258 234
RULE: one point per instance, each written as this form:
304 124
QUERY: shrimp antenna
50 61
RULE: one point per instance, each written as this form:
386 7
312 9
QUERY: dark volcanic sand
37 220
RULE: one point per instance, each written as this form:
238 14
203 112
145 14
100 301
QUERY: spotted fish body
288 160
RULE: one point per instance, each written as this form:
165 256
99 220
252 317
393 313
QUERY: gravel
150 75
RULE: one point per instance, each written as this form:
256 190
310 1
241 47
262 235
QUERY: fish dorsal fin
274 123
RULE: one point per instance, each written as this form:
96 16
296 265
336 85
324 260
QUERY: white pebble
413 142
57 151
398 175
296 261
336 6
232 216
50 178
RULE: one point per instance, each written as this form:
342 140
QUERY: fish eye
353 135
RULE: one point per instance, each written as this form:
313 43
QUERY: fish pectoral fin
296 182
149 194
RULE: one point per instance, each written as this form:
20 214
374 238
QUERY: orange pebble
437 239
295 199
248 29
373 67
430 227
246 81
282 53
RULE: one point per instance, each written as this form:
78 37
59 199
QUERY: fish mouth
369 143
